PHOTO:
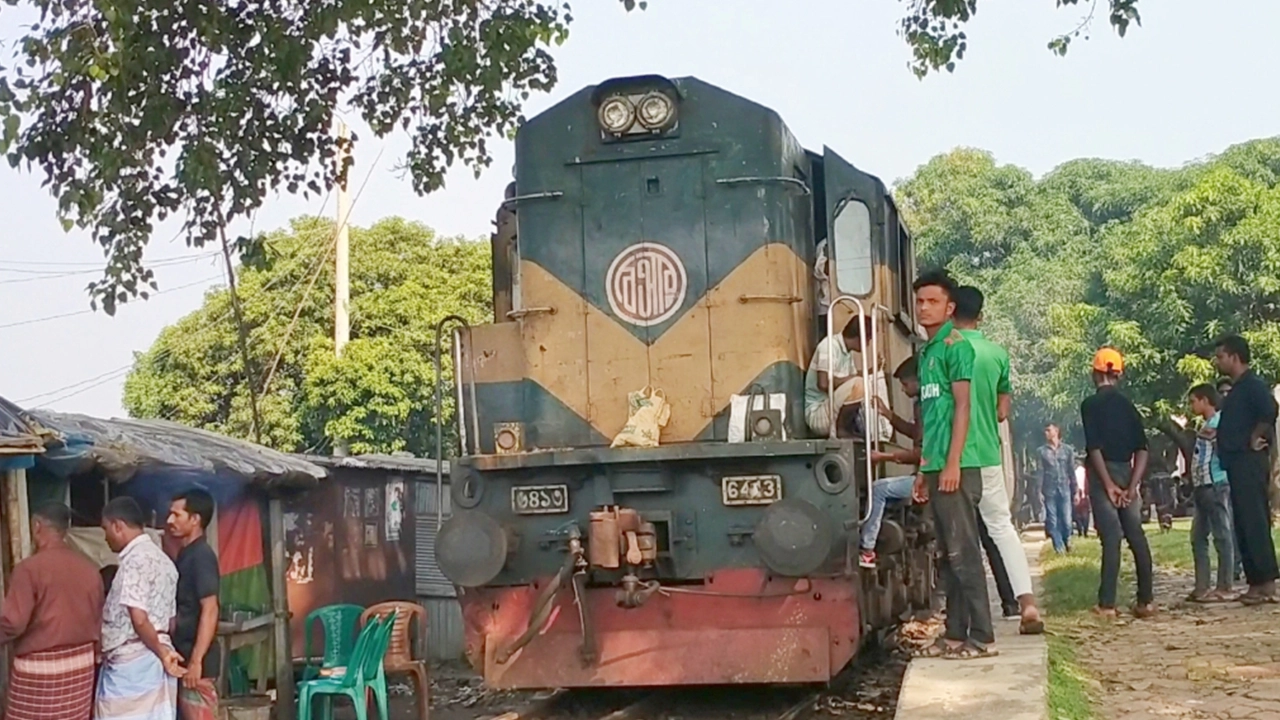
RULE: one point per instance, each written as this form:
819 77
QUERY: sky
1186 84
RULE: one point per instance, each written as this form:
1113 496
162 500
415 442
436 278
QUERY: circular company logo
646 284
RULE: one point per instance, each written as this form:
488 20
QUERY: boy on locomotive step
990 402
1116 443
953 491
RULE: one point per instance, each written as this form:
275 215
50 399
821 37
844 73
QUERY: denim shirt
1057 469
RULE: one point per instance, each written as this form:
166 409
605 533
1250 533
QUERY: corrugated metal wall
435 592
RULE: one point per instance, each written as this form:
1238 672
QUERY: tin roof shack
368 536
87 461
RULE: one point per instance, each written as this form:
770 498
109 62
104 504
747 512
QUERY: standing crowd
139 646
959 382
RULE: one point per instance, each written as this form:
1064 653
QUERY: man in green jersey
946 372
989 400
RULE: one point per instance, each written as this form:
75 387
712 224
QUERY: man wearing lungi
140 668
52 614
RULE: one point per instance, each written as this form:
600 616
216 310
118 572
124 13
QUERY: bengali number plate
751 489
540 499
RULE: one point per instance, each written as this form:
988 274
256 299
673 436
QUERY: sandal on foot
1105 612
1252 600
936 649
1217 596
1144 611
1199 597
970 651
1031 627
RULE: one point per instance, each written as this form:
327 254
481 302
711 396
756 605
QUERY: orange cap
1108 360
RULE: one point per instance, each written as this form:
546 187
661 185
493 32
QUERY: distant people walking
1080 503
1116 443
1211 498
1246 432
1057 464
53 617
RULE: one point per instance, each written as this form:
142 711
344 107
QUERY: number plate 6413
751 490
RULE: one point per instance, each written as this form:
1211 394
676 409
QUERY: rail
460 325
868 406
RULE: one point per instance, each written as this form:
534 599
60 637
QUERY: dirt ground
1191 661
868 690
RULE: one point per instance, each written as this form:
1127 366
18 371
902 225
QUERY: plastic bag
647 413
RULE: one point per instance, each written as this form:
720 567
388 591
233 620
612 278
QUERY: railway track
867 690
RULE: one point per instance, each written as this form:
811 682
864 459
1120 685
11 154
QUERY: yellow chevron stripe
589 361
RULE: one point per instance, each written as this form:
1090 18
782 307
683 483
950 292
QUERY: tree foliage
137 110
379 395
935 29
1158 262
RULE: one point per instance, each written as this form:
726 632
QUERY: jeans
884 490
994 509
1057 516
1249 474
955 515
1112 524
1212 516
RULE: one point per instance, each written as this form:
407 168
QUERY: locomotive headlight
616 115
655 110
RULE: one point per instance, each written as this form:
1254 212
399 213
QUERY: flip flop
970 651
1252 600
936 649
1032 627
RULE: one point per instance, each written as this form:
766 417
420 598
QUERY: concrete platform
1011 686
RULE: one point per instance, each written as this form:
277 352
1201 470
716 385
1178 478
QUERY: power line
37 275
32 321
56 263
164 352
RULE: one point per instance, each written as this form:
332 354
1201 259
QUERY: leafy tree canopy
1158 262
379 395
137 110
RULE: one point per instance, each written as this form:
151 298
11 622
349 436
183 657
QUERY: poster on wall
371 502
395 509
351 502
371 535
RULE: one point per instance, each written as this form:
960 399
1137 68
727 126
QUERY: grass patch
1068 689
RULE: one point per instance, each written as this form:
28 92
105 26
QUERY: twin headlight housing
636 114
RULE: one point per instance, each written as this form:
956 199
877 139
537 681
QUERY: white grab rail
868 406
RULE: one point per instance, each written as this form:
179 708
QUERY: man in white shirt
139 665
837 363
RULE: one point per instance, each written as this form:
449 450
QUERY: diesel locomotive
669 235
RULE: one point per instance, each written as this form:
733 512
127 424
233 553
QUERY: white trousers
994 508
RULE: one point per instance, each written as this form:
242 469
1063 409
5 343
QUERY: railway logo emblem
646 284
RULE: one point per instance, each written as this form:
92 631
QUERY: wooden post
19 518
280 605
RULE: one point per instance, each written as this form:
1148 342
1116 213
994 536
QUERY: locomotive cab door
854 213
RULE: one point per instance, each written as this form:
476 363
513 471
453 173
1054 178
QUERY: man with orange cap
1116 443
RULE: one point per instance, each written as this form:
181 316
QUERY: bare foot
1105 612
1144 611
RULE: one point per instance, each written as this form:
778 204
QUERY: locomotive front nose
471 549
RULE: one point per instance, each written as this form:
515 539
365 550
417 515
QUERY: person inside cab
837 363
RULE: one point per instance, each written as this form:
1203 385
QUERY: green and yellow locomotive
666 234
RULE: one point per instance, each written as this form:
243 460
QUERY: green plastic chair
362 676
339 624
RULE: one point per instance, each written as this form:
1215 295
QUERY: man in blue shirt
1212 498
1056 462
